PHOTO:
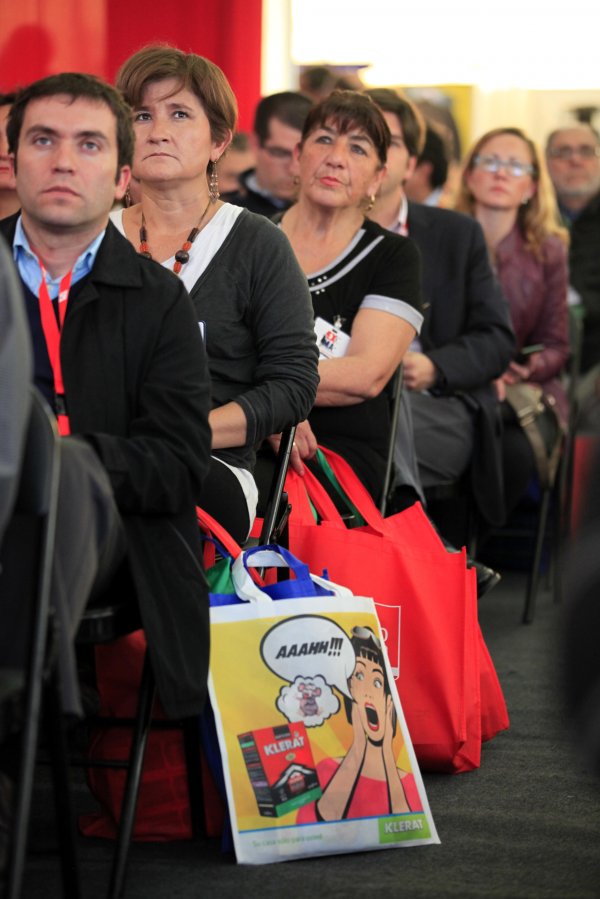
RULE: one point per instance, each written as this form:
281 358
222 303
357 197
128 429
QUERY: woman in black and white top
364 282
250 296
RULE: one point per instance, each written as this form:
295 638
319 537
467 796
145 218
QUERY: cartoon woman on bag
366 781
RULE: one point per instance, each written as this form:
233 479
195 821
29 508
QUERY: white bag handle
259 557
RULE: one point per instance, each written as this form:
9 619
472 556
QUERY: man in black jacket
573 156
118 355
466 340
270 187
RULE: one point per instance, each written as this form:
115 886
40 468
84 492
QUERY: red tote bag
401 562
163 811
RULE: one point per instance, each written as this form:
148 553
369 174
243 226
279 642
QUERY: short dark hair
435 151
317 78
410 118
347 110
240 141
367 645
288 107
157 62
74 85
8 99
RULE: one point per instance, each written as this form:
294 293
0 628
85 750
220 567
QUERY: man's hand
419 371
305 446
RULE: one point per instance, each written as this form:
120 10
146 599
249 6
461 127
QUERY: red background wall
41 37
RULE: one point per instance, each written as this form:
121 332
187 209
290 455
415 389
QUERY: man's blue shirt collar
29 266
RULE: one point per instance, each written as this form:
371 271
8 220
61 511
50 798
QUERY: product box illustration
281 768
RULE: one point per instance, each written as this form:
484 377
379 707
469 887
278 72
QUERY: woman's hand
419 372
359 741
515 373
388 733
305 446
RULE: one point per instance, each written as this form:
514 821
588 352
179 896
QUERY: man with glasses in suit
270 187
573 156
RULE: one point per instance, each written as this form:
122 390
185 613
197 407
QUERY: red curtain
40 37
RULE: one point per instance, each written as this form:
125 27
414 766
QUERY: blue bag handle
273 555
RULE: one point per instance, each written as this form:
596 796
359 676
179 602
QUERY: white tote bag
316 754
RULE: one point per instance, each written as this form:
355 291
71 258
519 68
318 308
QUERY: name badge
331 341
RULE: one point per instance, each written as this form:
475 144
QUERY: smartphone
526 351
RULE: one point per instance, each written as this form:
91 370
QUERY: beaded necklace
181 256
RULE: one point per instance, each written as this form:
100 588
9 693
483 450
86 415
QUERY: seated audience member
250 297
270 186
118 356
466 340
317 82
15 378
9 202
573 158
581 626
505 186
238 158
364 283
426 184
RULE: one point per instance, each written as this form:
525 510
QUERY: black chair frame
108 623
36 507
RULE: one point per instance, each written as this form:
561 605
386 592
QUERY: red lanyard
52 331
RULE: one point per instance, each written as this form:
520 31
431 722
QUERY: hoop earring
213 182
370 203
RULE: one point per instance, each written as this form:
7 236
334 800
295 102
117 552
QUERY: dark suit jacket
15 380
466 332
252 200
584 268
137 390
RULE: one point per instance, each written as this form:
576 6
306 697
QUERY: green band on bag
219 577
400 828
330 474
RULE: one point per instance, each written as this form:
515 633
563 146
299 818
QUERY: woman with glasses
506 187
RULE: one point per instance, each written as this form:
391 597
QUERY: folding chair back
25 580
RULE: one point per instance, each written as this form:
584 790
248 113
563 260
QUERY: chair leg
191 742
65 813
21 814
24 786
132 782
534 575
558 542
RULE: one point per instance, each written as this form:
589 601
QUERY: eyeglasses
278 153
512 167
584 150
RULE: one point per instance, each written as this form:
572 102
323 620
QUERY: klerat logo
403 827
284 745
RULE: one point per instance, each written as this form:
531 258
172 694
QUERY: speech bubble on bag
309 646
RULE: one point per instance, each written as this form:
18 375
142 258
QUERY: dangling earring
127 198
370 203
213 182
525 201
